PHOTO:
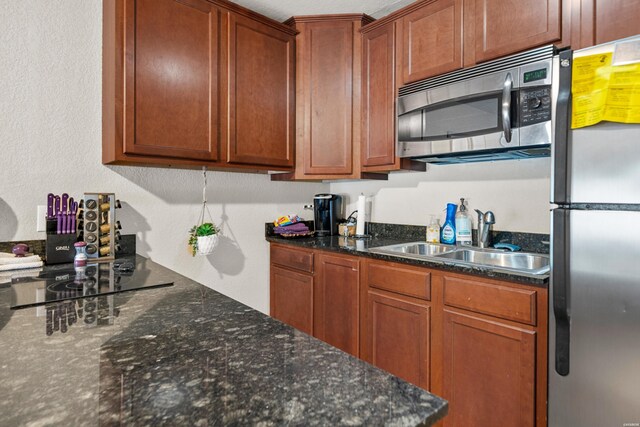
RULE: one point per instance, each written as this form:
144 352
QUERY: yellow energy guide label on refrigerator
603 91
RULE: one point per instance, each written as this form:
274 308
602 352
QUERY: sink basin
527 262
414 250
515 262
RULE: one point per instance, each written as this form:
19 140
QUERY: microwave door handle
506 107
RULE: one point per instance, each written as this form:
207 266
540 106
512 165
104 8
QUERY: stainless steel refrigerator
594 313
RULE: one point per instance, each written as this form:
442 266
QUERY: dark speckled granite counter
360 247
187 355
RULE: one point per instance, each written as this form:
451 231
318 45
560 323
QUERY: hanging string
204 197
204 187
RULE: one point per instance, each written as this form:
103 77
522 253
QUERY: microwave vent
488 156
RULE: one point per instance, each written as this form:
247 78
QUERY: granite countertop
360 247
189 355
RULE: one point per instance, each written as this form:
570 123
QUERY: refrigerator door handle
561 289
560 190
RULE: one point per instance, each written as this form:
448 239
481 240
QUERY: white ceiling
281 10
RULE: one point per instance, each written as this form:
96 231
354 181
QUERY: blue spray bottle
448 230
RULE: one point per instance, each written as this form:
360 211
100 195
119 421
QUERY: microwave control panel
535 105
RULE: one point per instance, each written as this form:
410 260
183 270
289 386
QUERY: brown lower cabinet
399 332
336 302
489 370
317 293
479 343
292 298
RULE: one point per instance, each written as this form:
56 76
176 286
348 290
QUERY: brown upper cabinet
503 27
261 94
328 97
601 21
438 36
379 102
166 89
378 96
430 41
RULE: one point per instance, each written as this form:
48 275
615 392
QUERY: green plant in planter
206 229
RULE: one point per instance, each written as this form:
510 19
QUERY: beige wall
516 191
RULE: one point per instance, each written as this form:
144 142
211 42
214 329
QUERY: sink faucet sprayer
485 221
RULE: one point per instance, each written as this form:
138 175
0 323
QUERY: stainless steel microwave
499 110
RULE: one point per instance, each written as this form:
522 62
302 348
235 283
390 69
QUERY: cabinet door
172 83
609 20
292 298
431 40
489 372
398 337
378 97
261 94
503 27
326 92
336 302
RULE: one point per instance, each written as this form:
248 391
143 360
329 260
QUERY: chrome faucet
485 221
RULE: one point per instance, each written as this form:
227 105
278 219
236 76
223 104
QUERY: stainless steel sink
520 261
414 250
515 262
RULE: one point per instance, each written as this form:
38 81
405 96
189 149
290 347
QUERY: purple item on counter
20 250
74 212
298 227
50 199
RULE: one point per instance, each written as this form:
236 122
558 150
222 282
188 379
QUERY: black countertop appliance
326 209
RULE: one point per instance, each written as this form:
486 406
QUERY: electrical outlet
42 218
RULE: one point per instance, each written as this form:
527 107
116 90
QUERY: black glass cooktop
74 283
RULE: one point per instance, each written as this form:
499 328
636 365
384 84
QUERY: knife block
59 247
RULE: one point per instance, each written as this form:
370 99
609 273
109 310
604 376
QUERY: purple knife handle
65 203
71 215
50 205
74 212
59 223
56 204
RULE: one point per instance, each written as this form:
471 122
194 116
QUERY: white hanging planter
203 237
206 244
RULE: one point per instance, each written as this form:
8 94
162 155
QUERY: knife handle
65 203
50 199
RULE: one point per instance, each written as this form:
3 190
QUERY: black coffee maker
326 209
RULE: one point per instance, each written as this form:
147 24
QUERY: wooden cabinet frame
118 120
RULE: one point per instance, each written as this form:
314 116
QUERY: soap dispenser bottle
448 230
433 230
463 225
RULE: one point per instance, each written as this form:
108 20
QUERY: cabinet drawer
401 280
494 300
293 258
